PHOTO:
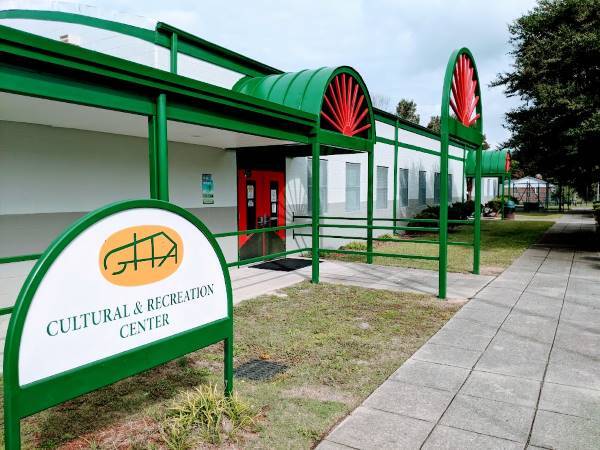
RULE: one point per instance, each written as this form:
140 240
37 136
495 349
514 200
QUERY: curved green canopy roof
302 90
493 163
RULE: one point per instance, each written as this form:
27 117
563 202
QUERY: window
322 185
422 187
403 187
436 188
381 199
352 186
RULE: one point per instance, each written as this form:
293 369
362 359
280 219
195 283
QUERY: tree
407 109
556 74
434 124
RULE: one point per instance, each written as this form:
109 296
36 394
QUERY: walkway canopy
494 163
337 96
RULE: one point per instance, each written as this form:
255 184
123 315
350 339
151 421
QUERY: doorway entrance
261 204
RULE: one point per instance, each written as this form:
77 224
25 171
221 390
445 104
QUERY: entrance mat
284 265
259 370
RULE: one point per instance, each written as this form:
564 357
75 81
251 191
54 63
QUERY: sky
400 47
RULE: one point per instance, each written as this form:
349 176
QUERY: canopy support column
162 148
316 206
152 157
395 204
477 213
443 224
370 168
502 196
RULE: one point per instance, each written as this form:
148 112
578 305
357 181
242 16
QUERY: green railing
392 228
269 256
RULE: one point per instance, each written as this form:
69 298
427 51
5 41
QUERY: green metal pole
477 221
162 148
464 178
152 157
443 237
316 207
174 50
228 366
502 179
370 168
395 204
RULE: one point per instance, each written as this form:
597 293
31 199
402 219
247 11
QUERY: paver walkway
517 367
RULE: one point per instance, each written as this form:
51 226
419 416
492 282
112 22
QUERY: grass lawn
338 342
501 243
550 215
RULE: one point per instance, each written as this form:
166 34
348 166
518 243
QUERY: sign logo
141 255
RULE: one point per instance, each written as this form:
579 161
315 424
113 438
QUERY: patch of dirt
491 270
321 393
123 435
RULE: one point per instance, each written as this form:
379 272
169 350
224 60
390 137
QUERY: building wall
51 176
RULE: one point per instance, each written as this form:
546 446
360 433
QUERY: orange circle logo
141 255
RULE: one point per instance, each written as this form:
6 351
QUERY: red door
261 204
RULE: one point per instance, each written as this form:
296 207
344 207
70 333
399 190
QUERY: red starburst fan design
344 107
507 163
464 101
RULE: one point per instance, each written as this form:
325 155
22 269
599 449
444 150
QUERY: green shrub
456 211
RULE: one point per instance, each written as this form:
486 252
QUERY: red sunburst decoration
343 109
507 163
464 101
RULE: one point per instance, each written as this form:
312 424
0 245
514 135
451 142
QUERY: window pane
352 186
436 188
422 187
403 187
322 185
381 198
449 188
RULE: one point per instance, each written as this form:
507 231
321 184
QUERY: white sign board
130 279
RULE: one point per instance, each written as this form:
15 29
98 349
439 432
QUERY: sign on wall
208 189
128 287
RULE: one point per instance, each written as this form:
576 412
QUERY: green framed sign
127 287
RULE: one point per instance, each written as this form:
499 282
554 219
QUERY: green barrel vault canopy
336 95
494 163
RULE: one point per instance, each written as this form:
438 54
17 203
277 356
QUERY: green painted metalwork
162 146
390 255
153 157
173 52
316 207
493 163
261 230
378 227
6 310
269 257
449 126
370 178
381 239
477 213
19 258
305 91
23 401
415 148
395 196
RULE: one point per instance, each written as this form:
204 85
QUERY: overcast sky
400 47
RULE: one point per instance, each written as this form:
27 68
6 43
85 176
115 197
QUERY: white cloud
400 47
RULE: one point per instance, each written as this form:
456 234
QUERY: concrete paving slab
573 369
578 340
329 445
489 417
559 431
419 402
483 312
502 388
448 438
369 429
469 341
444 354
503 362
526 347
571 400
525 325
432 375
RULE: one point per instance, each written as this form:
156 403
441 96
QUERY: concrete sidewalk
517 367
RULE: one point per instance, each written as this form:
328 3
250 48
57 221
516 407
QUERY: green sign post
128 287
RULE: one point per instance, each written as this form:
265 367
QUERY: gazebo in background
494 164
532 192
